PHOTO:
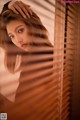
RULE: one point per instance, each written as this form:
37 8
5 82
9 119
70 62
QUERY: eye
20 30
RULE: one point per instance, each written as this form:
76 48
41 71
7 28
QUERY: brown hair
37 31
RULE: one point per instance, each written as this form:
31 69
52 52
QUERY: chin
26 50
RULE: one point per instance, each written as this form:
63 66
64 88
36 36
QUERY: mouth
24 45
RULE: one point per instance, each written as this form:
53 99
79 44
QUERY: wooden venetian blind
59 49
65 41
68 64
72 40
44 91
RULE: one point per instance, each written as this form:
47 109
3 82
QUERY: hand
21 8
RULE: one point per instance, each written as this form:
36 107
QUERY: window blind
59 49
69 58
47 81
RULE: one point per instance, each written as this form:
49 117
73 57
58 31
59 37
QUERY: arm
18 7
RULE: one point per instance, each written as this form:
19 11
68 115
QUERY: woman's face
19 34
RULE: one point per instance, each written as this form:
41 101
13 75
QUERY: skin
19 34
19 7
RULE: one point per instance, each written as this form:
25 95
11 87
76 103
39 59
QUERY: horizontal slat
66 106
69 73
65 102
53 115
39 81
65 115
68 61
67 83
66 95
53 106
68 67
72 10
66 89
70 25
39 73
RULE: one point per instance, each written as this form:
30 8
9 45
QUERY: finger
13 9
26 12
24 9
24 4
10 6
27 7
29 10
19 10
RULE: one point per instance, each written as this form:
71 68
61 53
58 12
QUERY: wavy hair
37 31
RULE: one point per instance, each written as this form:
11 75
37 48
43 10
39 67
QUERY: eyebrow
15 29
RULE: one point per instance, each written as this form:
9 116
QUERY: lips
22 45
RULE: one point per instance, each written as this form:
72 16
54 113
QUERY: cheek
29 38
26 37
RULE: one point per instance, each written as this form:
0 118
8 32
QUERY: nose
19 40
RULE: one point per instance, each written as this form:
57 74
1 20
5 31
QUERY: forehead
12 25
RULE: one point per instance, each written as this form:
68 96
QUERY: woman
27 39
7 101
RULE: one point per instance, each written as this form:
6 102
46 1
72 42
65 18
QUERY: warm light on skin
19 35
8 82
